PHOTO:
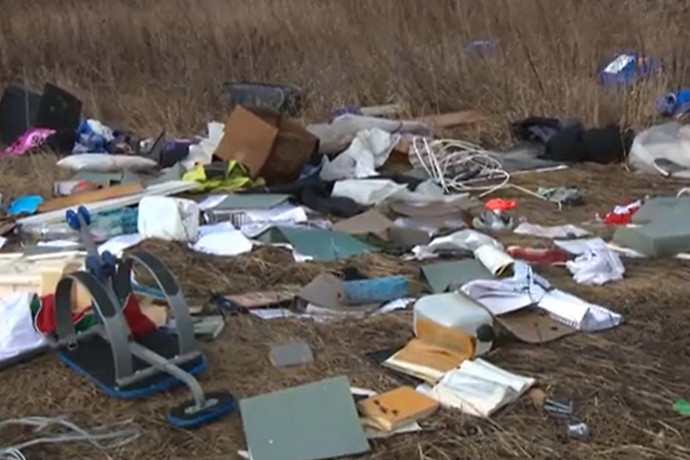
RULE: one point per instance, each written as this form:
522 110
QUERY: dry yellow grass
146 64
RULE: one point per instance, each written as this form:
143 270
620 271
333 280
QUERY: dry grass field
145 65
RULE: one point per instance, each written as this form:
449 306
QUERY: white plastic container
172 219
450 312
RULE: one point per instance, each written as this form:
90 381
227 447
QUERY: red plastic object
538 255
621 215
499 204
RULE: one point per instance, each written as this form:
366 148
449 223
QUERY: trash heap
370 180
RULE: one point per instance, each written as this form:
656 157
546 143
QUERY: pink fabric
32 138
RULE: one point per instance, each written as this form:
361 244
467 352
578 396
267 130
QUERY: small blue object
623 69
374 290
73 217
674 103
27 204
483 48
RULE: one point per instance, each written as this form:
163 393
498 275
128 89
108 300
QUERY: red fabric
139 324
45 321
546 256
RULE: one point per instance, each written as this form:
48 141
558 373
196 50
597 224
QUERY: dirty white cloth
668 142
334 137
367 192
168 218
104 162
478 388
222 240
466 240
557 231
526 288
596 264
17 333
368 151
202 153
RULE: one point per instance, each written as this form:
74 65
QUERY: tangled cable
454 165
42 425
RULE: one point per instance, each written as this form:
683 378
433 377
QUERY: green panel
440 276
309 422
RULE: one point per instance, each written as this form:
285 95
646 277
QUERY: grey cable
97 434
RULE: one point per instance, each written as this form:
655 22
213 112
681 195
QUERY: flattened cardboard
265 299
533 325
407 238
441 276
371 222
270 146
424 361
396 408
324 291
309 422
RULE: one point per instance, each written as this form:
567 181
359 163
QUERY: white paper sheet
526 288
479 388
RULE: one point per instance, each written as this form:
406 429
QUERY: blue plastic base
164 383
177 417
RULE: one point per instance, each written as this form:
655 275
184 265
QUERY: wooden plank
453 119
107 193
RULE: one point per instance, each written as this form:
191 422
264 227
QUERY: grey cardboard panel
309 422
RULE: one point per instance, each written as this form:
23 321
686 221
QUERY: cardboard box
270 146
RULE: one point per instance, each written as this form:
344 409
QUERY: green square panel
309 422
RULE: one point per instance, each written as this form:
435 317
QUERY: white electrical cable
41 425
448 162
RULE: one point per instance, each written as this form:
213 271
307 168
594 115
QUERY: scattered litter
682 407
578 430
291 354
538 255
621 215
321 411
396 409
527 288
492 221
595 263
558 231
479 388
563 196
626 68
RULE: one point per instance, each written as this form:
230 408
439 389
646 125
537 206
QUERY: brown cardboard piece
324 291
107 193
452 119
533 325
265 299
424 361
371 222
396 408
270 146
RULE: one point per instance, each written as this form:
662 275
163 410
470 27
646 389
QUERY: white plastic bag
104 162
167 218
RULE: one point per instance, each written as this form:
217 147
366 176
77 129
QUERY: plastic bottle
450 312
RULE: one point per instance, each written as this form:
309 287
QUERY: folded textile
595 264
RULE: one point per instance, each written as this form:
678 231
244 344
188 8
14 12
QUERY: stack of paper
479 388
